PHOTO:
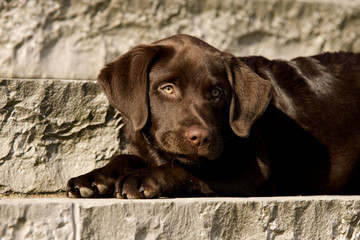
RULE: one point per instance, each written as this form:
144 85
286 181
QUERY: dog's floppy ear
125 83
251 95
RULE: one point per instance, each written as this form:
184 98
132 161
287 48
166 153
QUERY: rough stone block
36 219
51 130
278 218
229 218
74 39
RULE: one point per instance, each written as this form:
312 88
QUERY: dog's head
183 93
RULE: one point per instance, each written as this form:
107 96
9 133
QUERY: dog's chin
187 154
193 159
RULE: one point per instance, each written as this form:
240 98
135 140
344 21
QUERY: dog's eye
216 92
168 89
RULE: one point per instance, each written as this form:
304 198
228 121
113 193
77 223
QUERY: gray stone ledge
313 217
51 130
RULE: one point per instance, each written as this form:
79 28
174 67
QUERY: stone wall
51 130
74 39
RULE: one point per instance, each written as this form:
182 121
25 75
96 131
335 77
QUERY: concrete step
325 217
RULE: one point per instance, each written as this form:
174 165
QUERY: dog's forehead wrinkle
162 74
195 72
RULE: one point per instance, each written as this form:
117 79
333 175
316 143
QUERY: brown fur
202 122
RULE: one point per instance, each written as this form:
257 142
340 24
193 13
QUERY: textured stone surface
192 218
74 39
36 219
51 130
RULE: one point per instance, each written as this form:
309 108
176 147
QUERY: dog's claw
103 189
86 192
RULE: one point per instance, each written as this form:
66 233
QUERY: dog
201 122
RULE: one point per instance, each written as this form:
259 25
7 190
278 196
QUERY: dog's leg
100 182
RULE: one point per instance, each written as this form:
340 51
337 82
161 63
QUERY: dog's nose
199 137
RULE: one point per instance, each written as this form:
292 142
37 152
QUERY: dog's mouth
190 159
176 147
198 157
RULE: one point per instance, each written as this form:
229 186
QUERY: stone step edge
61 198
310 217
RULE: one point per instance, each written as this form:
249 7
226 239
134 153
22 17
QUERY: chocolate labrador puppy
202 122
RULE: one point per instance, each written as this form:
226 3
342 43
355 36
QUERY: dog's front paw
145 183
100 182
90 185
